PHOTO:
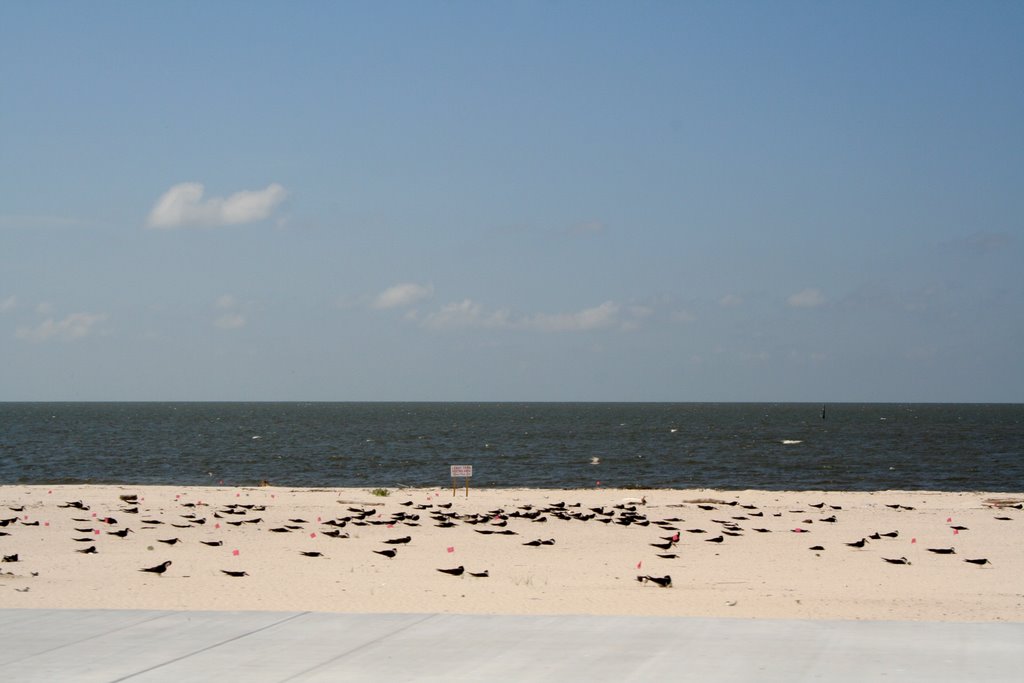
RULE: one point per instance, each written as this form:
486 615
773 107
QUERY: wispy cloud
183 206
807 298
402 295
730 301
74 326
8 304
468 313
230 318
980 243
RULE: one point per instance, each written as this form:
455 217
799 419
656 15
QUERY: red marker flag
451 549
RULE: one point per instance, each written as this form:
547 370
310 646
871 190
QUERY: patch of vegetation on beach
383 493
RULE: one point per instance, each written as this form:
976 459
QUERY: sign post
464 471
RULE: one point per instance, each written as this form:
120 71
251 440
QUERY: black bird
281 530
550 541
716 539
311 553
534 543
231 573
480 575
334 534
662 546
891 534
901 560
664 581
763 531
212 543
960 528
169 541
942 551
695 531
389 553
831 519
17 509
159 569
454 572
123 533
445 525
91 550
983 560
858 544
875 536
818 505
399 541
707 507
11 558
669 556
817 547
87 539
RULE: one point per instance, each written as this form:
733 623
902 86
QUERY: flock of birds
628 513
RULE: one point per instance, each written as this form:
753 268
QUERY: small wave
791 442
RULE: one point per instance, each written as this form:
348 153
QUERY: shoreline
590 568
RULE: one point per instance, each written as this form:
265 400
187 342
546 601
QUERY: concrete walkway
120 645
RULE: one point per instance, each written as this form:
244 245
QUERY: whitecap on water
791 442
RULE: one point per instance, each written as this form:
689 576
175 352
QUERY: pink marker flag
956 531
312 534
46 524
948 520
639 564
913 540
235 553
451 549
598 483
96 531
217 525
391 526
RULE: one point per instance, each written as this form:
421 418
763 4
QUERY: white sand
590 569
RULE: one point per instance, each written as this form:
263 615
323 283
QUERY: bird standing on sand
158 569
664 581
231 573
454 572
899 560
389 553
980 561
858 544
942 551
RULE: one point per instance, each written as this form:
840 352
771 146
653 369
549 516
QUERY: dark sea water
947 447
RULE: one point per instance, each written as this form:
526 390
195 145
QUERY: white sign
462 471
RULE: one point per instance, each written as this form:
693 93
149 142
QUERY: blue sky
788 201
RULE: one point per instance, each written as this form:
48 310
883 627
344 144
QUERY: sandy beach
535 551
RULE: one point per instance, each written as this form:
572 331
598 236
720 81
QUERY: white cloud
402 295
588 319
183 205
808 298
230 321
465 313
8 304
730 300
74 326
468 313
225 301
682 317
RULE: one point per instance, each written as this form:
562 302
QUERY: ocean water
948 447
